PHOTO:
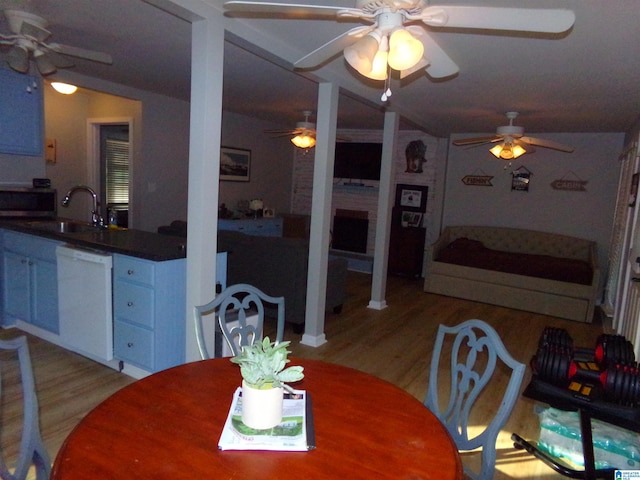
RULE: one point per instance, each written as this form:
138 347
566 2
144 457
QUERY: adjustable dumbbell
613 367
608 349
621 384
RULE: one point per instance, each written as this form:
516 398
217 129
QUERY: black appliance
28 202
357 161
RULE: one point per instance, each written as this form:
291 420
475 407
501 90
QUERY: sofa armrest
336 283
434 249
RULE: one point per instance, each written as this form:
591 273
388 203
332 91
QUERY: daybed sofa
276 265
527 270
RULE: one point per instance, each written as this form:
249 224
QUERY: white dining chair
240 311
473 358
32 450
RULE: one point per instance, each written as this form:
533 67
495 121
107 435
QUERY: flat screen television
357 161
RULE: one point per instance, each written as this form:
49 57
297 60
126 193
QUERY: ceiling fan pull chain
387 86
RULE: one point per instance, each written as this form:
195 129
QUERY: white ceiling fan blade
60 61
332 48
438 63
497 18
289 9
527 146
547 144
423 63
81 53
40 34
471 141
278 135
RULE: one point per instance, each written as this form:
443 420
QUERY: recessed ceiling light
64 88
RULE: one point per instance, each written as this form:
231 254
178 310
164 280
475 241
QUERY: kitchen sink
63 226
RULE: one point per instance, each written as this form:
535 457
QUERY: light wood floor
394 344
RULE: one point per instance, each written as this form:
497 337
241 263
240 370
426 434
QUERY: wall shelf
356 189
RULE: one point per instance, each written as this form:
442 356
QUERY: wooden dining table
167 426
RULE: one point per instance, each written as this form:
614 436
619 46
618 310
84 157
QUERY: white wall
271 163
66 123
585 214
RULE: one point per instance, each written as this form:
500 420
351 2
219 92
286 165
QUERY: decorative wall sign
521 178
574 184
478 180
412 198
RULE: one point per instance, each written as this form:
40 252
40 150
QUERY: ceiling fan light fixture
361 54
18 58
64 88
404 50
304 141
507 151
379 69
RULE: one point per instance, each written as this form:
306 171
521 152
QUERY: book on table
294 433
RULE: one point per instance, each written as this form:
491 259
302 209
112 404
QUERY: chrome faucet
96 217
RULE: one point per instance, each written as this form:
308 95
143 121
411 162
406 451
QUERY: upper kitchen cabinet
21 114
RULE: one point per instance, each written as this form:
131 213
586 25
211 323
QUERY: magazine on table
294 433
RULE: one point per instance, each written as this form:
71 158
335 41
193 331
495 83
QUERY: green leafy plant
262 365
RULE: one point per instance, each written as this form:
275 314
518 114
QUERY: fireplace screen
350 234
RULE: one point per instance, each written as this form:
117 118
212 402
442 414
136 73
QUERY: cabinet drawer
134 303
133 344
133 269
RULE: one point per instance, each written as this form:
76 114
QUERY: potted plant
264 377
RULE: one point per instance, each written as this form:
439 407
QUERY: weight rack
601 383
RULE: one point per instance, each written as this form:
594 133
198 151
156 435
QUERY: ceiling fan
303 136
28 42
513 143
396 37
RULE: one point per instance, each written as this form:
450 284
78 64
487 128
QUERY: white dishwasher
84 302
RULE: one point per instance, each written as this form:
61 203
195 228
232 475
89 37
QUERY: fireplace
350 231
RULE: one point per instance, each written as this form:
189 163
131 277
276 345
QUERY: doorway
110 165
114 171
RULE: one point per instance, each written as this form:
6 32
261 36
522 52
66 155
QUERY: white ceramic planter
261 409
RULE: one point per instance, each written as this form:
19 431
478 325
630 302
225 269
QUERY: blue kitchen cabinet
30 284
21 113
149 303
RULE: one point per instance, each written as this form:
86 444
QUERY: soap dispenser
113 218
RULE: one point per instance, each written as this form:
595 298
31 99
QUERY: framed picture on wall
411 198
235 164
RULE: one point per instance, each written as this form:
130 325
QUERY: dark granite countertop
136 243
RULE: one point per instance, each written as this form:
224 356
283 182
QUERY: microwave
28 202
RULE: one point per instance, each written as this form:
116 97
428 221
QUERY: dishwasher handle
82 255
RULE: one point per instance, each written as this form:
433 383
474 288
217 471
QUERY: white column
320 214
204 166
385 202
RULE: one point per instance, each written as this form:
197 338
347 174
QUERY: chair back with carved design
465 412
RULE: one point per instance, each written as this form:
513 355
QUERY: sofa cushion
472 253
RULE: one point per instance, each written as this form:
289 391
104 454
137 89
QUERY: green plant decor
262 365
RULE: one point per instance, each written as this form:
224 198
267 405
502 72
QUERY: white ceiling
584 81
